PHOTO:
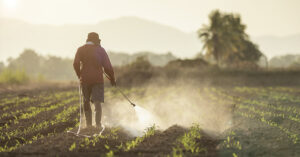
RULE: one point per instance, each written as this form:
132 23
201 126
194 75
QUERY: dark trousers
93 93
88 113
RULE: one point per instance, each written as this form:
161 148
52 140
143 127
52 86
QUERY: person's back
90 67
89 62
93 58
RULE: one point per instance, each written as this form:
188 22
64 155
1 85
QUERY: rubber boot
88 112
88 118
98 114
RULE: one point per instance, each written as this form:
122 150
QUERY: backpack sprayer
81 111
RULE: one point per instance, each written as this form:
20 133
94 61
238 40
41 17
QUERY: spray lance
131 103
122 93
145 117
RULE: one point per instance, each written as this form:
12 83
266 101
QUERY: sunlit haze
9 3
128 25
263 17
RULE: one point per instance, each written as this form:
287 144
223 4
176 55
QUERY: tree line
49 67
57 68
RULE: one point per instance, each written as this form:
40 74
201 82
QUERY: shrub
138 72
9 76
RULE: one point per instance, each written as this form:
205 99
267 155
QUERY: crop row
63 120
17 99
33 111
271 94
283 108
187 143
260 114
293 136
24 102
36 104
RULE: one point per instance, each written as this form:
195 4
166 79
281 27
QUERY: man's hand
113 82
80 80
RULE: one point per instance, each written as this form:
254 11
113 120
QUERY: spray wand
126 97
131 103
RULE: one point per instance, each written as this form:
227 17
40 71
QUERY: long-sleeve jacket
89 62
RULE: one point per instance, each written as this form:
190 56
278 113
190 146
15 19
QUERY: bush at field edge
9 76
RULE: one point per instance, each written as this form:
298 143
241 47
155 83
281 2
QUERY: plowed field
198 121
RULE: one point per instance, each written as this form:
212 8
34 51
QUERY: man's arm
76 64
108 69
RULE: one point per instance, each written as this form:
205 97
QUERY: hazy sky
263 17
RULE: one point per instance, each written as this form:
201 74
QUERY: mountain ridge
124 34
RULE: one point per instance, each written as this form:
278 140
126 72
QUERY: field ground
259 121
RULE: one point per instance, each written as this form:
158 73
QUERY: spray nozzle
133 104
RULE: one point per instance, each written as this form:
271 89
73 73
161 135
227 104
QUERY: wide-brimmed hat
93 37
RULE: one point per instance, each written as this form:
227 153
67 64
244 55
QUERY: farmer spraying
90 61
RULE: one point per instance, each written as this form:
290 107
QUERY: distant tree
248 52
188 63
28 60
295 64
284 61
2 66
225 39
137 72
263 61
56 68
37 66
141 63
119 59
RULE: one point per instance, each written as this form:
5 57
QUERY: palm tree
224 38
211 36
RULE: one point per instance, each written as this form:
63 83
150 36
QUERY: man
89 62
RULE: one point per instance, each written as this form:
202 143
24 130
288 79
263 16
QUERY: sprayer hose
80 108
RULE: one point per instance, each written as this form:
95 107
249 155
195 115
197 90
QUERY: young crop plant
232 143
72 147
110 152
101 141
113 134
188 142
132 144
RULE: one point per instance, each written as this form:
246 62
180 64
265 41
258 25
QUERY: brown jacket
89 62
